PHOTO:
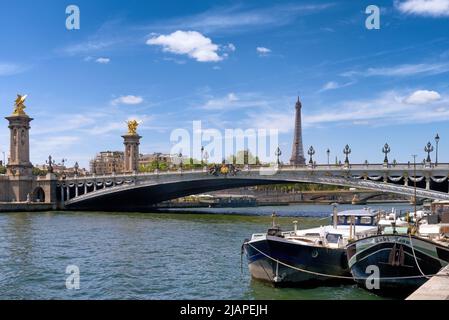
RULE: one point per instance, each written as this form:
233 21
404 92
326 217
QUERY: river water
148 255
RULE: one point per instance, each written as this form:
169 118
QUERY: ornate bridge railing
393 178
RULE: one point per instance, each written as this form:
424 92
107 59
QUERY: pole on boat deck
335 215
414 186
350 228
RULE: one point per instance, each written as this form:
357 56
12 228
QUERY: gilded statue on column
19 105
132 127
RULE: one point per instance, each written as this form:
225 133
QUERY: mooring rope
337 276
414 256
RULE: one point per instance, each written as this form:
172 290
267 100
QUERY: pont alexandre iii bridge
139 191
21 190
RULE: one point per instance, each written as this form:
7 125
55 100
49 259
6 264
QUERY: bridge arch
38 195
139 192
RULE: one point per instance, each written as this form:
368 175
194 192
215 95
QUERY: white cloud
89 46
43 147
236 19
387 108
271 120
432 8
422 97
107 128
191 43
263 51
130 99
103 60
229 47
401 70
220 103
333 85
62 122
232 101
8 69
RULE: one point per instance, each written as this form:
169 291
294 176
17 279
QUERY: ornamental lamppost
428 148
63 161
414 183
76 168
206 156
311 152
347 151
157 161
113 166
437 139
180 161
202 155
278 153
386 150
328 155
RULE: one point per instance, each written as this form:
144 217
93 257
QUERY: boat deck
437 288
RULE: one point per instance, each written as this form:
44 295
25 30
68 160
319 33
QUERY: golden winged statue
132 126
19 105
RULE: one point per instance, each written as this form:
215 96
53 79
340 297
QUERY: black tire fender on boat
344 260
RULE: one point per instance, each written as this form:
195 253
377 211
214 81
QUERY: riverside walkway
437 288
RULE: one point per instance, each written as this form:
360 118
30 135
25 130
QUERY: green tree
243 157
38 172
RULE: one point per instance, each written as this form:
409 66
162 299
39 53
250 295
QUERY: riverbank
293 210
26 206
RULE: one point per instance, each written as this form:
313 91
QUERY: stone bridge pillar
19 167
131 142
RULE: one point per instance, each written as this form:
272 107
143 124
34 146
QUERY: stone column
131 142
427 183
62 194
19 167
19 162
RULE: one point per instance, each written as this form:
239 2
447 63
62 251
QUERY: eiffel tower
297 158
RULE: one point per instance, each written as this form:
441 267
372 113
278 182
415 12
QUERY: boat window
341 219
312 234
333 238
365 220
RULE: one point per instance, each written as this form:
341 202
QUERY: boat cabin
358 217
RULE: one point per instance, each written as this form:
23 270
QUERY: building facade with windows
108 162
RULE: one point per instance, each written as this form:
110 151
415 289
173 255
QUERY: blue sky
229 64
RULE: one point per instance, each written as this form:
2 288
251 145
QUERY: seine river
147 256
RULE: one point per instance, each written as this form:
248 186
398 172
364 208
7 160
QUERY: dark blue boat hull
315 259
398 272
